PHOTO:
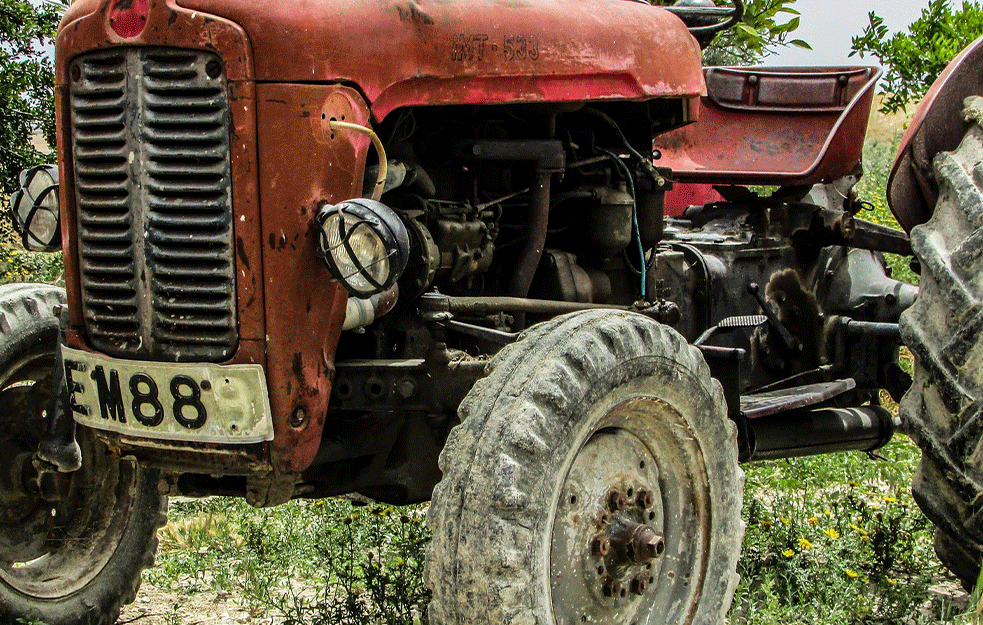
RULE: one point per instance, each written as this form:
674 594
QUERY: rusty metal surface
773 402
773 126
404 385
936 126
85 28
470 51
303 163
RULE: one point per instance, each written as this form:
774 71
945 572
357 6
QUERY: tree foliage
913 60
767 25
26 84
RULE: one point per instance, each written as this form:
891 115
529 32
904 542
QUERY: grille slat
152 178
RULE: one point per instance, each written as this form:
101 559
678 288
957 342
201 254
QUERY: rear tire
74 558
594 479
943 410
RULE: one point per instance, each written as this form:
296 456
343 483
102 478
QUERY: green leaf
798 43
748 29
914 59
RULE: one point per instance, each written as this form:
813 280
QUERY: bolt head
600 545
639 585
616 500
406 389
645 498
611 587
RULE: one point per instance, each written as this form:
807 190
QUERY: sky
828 26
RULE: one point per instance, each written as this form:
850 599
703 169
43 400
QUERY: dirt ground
157 606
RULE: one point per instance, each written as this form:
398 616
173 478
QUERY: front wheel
593 479
72 546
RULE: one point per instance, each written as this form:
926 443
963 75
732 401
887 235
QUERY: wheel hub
608 536
625 549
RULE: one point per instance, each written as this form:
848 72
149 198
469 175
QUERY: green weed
305 563
836 539
18 265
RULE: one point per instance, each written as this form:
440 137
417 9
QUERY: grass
317 562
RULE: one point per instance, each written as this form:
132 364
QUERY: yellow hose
380 181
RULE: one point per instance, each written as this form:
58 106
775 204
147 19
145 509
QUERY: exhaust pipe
813 432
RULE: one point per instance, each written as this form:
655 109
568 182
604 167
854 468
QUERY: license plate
173 401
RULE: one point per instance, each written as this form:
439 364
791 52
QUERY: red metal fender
773 126
937 126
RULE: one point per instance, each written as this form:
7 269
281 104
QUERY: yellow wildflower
851 574
831 532
788 553
812 521
859 530
785 520
767 523
804 544
828 512
890 581
890 498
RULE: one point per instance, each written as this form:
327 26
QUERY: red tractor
419 249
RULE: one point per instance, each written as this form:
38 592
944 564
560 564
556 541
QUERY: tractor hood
413 52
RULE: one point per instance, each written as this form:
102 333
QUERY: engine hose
380 182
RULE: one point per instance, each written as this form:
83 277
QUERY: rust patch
241 250
411 12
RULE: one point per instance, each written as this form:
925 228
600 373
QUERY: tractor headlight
34 209
364 243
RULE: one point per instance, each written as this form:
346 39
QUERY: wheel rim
629 534
59 530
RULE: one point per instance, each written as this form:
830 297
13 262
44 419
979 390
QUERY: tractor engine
518 214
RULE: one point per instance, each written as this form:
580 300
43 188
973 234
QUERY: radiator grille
150 147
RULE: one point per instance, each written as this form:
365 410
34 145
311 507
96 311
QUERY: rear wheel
944 330
593 479
72 546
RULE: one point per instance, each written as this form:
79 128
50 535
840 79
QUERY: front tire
594 478
72 546
943 410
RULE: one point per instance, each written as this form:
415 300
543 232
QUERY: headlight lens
34 209
364 244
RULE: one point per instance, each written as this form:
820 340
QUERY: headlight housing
364 243
34 209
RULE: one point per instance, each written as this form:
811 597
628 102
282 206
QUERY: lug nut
645 498
611 588
639 585
600 545
616 500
